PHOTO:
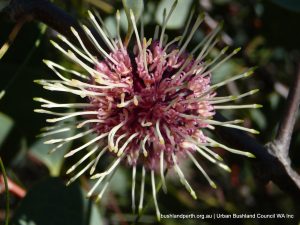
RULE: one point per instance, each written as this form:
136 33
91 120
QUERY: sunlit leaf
6 123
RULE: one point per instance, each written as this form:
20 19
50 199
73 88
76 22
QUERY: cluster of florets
154 105
149 105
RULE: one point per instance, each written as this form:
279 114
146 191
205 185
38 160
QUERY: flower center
155 95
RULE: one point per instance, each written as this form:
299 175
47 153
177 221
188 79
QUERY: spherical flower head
147 103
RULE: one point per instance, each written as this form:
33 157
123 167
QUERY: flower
149 105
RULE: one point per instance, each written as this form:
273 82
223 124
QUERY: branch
280 146
287 123
268 166
46 12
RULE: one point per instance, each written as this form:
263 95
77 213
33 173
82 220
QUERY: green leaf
3 4
50 202
110 24
259 118
2 93
6 123
54 160
221 2
95 217
292 5
225 71
179 16
92 212
274 100
137 7
118 178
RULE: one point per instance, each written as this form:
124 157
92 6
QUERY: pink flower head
147 105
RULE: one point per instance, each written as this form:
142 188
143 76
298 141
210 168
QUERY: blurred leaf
50 202
225 71
292 5
259 118
221 2
123 21
150 10
5 127
119 178
110 24
96 217
24 222
55 160
3 4
2 93
108 8
91 211
117 185
179 16
20 158
274 100
253 45
137 7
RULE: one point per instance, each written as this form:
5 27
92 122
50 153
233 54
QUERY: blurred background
267 31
